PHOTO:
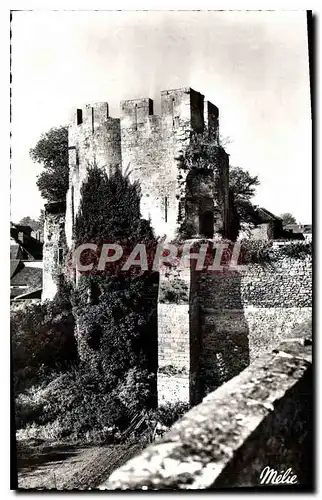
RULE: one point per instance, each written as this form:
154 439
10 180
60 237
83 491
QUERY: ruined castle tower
150 147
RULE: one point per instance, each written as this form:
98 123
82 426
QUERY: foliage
172 370
288 218
242 187
169 413
255 251
110 210
174 291
76 403
36 225
242 184
121 325
116 312
42 341
263 252
297 250
202 153
51 151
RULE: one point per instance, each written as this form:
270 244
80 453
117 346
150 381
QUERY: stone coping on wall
253 412
250 308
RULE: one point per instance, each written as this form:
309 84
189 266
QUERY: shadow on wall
224 329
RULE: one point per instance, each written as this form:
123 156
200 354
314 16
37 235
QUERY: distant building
25 263
264 225
304 229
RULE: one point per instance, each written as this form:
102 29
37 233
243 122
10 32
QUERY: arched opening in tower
199 203
206 224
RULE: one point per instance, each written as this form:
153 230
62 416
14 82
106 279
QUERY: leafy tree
242 184
116 312
36 225
205 153
242 187
51 151
110 210
288 218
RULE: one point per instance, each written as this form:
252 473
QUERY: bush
174 291
255 252
42 337
120 327
115 311
263 252
296 250
76 403
169 413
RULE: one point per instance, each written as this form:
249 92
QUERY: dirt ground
65 467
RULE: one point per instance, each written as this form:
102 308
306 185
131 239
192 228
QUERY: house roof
30 247
27 276
14 264
266 215
258 215
14 249
21 228
299 228
34 294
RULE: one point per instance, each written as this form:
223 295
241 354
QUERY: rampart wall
237 314
262 417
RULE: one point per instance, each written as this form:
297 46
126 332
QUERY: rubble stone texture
147 146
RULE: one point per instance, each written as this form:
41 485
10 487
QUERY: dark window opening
79 116
173 112
206 224
92 120
60 255
166 209
136 116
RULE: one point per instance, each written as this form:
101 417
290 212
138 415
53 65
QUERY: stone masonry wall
178 337
212 326
93 137
244 313
147 146
54 248
151 146
263 416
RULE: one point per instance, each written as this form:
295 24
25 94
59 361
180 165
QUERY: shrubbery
115 311
174 291
115 317
263 252
77 402
169 413
43 342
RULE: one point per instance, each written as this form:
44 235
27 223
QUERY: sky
252 65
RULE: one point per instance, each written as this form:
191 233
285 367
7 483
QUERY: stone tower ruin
150 148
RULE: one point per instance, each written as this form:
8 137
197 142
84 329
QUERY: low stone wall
234 338
262 417
286 282
245 313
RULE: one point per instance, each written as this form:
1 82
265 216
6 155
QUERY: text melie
272 476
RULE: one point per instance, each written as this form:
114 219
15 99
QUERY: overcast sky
252 65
